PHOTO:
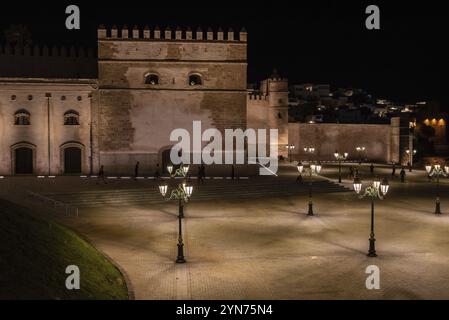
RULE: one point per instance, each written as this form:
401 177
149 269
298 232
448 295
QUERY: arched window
22 118
151 78
71 118
195 80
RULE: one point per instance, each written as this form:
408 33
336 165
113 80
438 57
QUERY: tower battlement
168 34
46 51
41 61
271 79
257 96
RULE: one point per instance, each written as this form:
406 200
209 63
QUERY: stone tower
268 109
154 81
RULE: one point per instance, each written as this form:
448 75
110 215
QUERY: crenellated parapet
47 62
45 51
257 97
275 79
170 34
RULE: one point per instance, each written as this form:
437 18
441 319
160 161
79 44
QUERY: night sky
313 41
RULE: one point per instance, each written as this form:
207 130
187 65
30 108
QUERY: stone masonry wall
135 119
381 141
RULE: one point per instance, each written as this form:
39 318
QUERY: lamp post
375 191
312 170
290 147
340 158
410 157
181 193
437 170
360 150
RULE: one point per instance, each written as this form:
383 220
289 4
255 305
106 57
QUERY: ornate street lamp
437 170
312 170
360 150
309 150
290 147
182 194
340 158
376 191
410 158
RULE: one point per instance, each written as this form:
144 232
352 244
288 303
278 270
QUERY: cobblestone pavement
268 248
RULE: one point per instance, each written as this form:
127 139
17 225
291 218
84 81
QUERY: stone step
123 197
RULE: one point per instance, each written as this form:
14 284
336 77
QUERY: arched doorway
72 160
23 160
165 160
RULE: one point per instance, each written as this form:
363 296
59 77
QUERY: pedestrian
371 169
136 170
299 179
393 171
409 165
156 172
351 173
101 175
201 173
402 175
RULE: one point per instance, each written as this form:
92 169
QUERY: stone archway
165 160
72 158
23 158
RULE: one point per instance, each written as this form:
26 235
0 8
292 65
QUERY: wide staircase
211 190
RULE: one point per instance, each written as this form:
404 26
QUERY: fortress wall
381 141
136 119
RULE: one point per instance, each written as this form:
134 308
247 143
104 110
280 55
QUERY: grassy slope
34 254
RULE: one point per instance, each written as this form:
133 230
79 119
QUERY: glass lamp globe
163 189
318 168
188 190
376 183
170 168
300 168
313 167
357 185
384 186
336 154
437 166
428 168
185 169
346 155
446 168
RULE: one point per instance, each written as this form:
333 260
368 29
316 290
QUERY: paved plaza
262 245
